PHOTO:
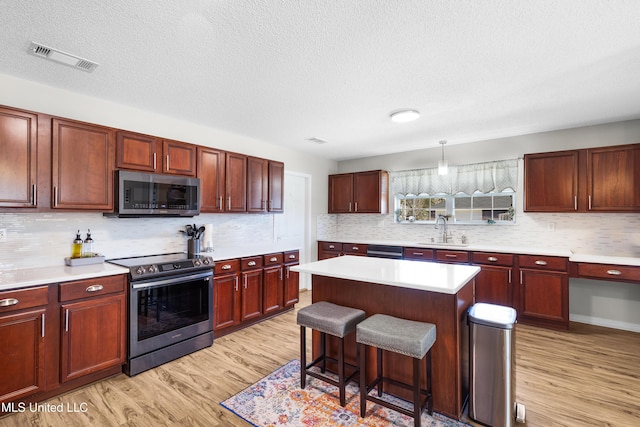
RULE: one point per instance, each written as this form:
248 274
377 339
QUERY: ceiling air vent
316 140
61 57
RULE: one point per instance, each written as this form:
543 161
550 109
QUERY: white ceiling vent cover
65 58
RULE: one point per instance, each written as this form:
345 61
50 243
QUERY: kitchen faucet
444 228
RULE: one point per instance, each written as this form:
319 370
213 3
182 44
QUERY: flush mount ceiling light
61 57
443 166
404 116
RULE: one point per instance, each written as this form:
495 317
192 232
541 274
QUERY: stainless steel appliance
170 308
385 251
139 194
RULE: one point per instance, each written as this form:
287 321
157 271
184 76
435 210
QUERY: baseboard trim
607 323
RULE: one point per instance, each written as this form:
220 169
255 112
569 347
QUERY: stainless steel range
170 308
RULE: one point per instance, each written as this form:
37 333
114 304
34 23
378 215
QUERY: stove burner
160 265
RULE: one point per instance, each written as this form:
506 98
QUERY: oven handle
174 279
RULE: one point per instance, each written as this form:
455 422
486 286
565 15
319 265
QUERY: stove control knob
206 261
197 263
140 270
150 269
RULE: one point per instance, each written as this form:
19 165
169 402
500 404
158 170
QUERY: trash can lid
496 316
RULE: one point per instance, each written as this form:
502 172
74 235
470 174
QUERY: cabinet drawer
251 263
331 246
291 256
543 262
19 299
226 266
418 254
91 287
609 271
354 248
273 259
452 256
491 258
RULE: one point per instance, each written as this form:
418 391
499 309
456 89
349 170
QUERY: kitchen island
437 293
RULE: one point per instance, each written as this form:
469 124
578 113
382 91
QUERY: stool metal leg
341 372
303 357
379 370
429 389
417 406
323 351
363 379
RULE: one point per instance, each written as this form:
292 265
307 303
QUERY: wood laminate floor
586 377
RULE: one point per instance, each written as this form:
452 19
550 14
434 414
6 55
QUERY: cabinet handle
236 281
541 262
492 259
228 202
263 204
280 273
245 282
614 272
292 256
7 302
34 195
521 278
94 288
509 276
220 202
251 263
155 163
589 201
331 247
55 197
270 203
355 248
417 253
168 163
356 207
349 206
451 256
575 203
226 267
66 320
287 269
42 320
273 259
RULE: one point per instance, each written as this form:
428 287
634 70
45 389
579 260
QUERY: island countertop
426 276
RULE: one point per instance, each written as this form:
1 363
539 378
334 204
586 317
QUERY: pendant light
443 166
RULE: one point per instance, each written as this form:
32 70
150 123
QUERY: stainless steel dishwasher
385 251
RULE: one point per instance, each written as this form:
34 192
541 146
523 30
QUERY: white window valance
485 177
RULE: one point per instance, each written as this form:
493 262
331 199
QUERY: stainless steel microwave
139 194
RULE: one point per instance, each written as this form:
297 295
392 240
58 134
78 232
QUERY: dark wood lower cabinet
251 295
291 285
544 298
273 289
493 285
226 310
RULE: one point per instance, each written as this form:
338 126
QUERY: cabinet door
137 152
341 193
291 285
251 294
614 179
272 289
22 355
493 285
370 192
18 170
236 183
551 182
82 166
257 183
179 158
226 301
544 297
276 187
211 170
93 335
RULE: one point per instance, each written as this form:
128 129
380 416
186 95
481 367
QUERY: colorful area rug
278 400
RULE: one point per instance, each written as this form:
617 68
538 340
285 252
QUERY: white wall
53 229
603 303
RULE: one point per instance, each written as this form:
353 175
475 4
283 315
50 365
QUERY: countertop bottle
87 246
76 247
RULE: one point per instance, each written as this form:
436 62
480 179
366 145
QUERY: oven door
166 311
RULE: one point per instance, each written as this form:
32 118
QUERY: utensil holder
193 247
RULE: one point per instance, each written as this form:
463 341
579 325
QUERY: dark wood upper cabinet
361 192
257 184
604 179
178 158
211 171
236 183
137 152
18 169
83 160
276 187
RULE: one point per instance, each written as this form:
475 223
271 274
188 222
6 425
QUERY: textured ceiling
284 71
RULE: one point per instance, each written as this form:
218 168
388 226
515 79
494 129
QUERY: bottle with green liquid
76 246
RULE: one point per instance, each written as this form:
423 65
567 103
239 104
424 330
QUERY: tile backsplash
44 239
605 234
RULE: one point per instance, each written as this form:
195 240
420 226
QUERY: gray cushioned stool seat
402 336
330 318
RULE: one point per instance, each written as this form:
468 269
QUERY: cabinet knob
273 259
492 259
614 272
226 267
94 288
332 247
541 262
355 248
8 302
251 263
292 256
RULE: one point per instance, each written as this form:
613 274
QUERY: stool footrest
407 412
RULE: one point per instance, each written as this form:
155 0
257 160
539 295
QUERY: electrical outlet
3 234
551 226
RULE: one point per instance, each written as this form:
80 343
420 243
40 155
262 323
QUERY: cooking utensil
199 232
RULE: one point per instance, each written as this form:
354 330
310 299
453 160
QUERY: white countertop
230 252
13 279
426 276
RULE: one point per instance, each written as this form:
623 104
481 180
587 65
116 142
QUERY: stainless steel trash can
491 364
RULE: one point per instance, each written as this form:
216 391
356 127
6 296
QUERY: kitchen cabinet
264 185
235 183
612 272
604 179
251 288
291 278
418 254
83 159
22 334
179 158
152 154
18 168
494 282
211 171
355 249
226 297
276 187
451 256
329 250
94 326
543 295
273 290
361 192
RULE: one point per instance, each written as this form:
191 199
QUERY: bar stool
332 319
406 337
